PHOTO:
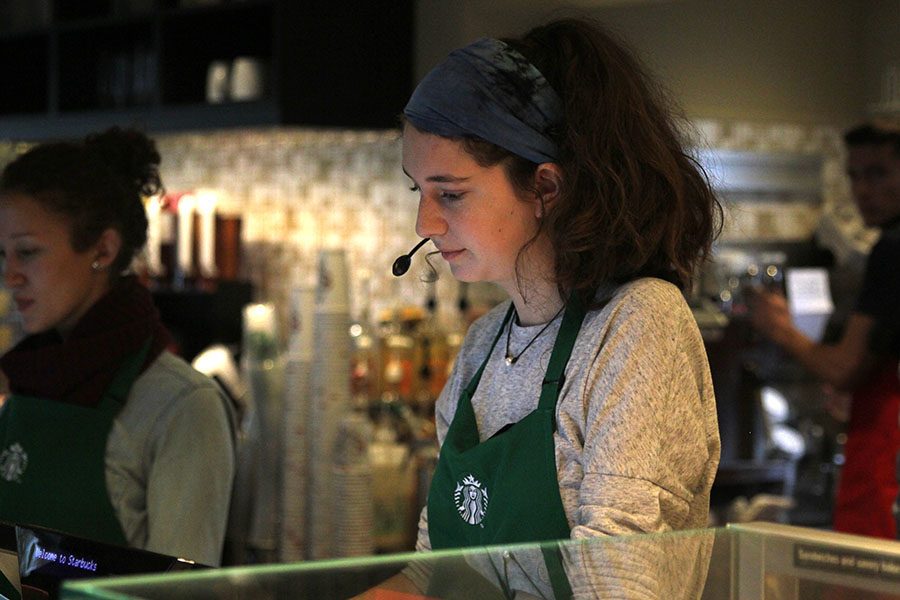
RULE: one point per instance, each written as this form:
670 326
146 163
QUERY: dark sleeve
880 294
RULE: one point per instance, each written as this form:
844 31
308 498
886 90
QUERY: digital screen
47 557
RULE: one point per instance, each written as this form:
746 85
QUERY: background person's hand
837 403
769 313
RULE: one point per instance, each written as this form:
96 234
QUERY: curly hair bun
131 155
96 184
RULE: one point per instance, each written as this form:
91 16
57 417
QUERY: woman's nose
12 277
429 221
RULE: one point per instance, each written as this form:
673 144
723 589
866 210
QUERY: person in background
864 360
552 166
106 435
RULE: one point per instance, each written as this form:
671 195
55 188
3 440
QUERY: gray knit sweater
637 443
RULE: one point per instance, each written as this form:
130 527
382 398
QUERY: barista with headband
551 165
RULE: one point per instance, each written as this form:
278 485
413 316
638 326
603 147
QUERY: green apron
7 590
52 460
505 490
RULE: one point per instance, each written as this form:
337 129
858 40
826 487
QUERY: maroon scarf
78 370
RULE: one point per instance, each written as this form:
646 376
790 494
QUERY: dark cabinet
199 318
74 67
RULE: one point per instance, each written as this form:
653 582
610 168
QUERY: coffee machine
777 440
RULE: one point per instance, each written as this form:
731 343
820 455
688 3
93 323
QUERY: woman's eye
451 196
414 188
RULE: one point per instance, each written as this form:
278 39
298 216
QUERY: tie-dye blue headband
489 90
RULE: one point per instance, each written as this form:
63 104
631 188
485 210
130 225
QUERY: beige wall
882 44
806 61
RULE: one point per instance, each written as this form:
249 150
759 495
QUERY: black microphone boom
402 264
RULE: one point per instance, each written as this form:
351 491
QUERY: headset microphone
401 265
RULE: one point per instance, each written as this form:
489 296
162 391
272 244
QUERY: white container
248 79
297 428
329 403
330 396
217 81
263 370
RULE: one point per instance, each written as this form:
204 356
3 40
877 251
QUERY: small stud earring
96 266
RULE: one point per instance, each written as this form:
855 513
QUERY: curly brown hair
97 183
633 201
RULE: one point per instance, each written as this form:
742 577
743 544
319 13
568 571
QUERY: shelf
198 319
24 93
109 66
241 31
152 119
65 11
93 24
97 64
765 174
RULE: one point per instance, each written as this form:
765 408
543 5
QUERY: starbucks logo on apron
471 499
13 462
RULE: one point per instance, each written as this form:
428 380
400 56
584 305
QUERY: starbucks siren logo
13 462
471 500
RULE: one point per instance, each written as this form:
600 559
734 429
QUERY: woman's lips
23 304
449 255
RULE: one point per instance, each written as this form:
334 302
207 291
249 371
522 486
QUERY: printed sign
846 561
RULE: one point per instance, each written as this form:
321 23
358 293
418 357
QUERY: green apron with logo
8 590
52 460
505 490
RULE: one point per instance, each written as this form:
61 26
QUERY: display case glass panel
765 561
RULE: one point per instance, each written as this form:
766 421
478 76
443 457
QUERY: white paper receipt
808 291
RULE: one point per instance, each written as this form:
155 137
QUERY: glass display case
749 561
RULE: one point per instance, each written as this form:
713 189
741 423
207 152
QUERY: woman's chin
32 326
463 276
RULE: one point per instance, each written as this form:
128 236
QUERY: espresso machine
780 447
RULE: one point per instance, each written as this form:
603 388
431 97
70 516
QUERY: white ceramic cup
217 81
247 78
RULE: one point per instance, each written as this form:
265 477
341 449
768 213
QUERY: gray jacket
170 462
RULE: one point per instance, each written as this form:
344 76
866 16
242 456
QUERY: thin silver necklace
511 358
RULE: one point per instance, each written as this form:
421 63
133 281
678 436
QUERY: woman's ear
108 247
548 184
